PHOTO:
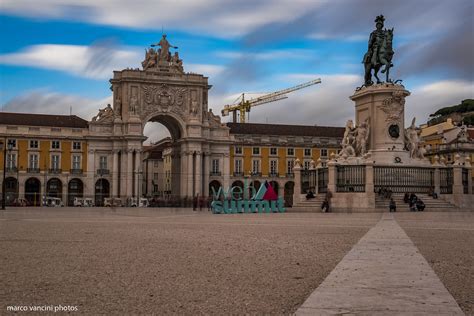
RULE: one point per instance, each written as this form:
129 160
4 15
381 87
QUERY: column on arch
138 155
198 173
129 173
115 174
206 171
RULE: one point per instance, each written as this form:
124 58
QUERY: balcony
103 172
76 171
33 170
238 174
215 173
290 175
273 175
54 170
256 174
11 169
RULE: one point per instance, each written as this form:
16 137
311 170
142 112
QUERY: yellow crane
245 105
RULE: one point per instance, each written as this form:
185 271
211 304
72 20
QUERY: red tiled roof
29 119
289 130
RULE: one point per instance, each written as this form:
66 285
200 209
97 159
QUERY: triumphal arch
161 91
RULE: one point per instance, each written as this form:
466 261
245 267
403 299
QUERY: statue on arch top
164 52
379 52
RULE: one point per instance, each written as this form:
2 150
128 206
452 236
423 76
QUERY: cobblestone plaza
143 261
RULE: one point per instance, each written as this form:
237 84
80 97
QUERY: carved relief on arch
163 98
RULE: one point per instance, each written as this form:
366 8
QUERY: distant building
446 140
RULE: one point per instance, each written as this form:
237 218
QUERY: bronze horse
385 54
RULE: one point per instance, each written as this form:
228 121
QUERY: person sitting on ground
310 195
392 205
406 198
432 193
420 206
388 194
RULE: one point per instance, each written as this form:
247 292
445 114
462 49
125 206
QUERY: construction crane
245 105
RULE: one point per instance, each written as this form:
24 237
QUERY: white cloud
221 17
269 54
427 99
328 36
47 102
96 61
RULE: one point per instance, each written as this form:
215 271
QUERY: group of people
385 193
414 202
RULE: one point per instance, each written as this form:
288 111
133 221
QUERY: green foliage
465 106
441 115
468 120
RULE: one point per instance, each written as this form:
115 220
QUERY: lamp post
10 147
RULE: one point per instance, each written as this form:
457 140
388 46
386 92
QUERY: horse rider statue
379 52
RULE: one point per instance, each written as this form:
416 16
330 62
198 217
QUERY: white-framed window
238 166
273 151
55 162
238 150
289 166
255 166
155 176
256 150
12 142
307 152
55 144
290 151
273 166
76 145
76 162
215 165
34 144
324 152
306 164
103 162
11 161
33 161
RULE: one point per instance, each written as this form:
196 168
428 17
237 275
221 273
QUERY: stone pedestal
383 106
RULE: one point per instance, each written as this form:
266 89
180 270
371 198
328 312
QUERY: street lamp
10 147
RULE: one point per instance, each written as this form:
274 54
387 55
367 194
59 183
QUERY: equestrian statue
379 52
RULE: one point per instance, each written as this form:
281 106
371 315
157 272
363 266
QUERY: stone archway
102 191
33 191
239 184
214 186
160 92
11 190
75 189
288 193
54 188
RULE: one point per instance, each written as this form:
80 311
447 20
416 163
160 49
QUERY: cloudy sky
57 55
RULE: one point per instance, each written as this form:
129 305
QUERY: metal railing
33 170
55 170
322 180
465 180
76 171
102 172
238 174
11 169
446 180
350 179
215 173
404 179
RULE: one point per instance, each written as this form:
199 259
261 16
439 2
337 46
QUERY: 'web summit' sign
246 200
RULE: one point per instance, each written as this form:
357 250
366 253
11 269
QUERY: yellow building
47 156
267 152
